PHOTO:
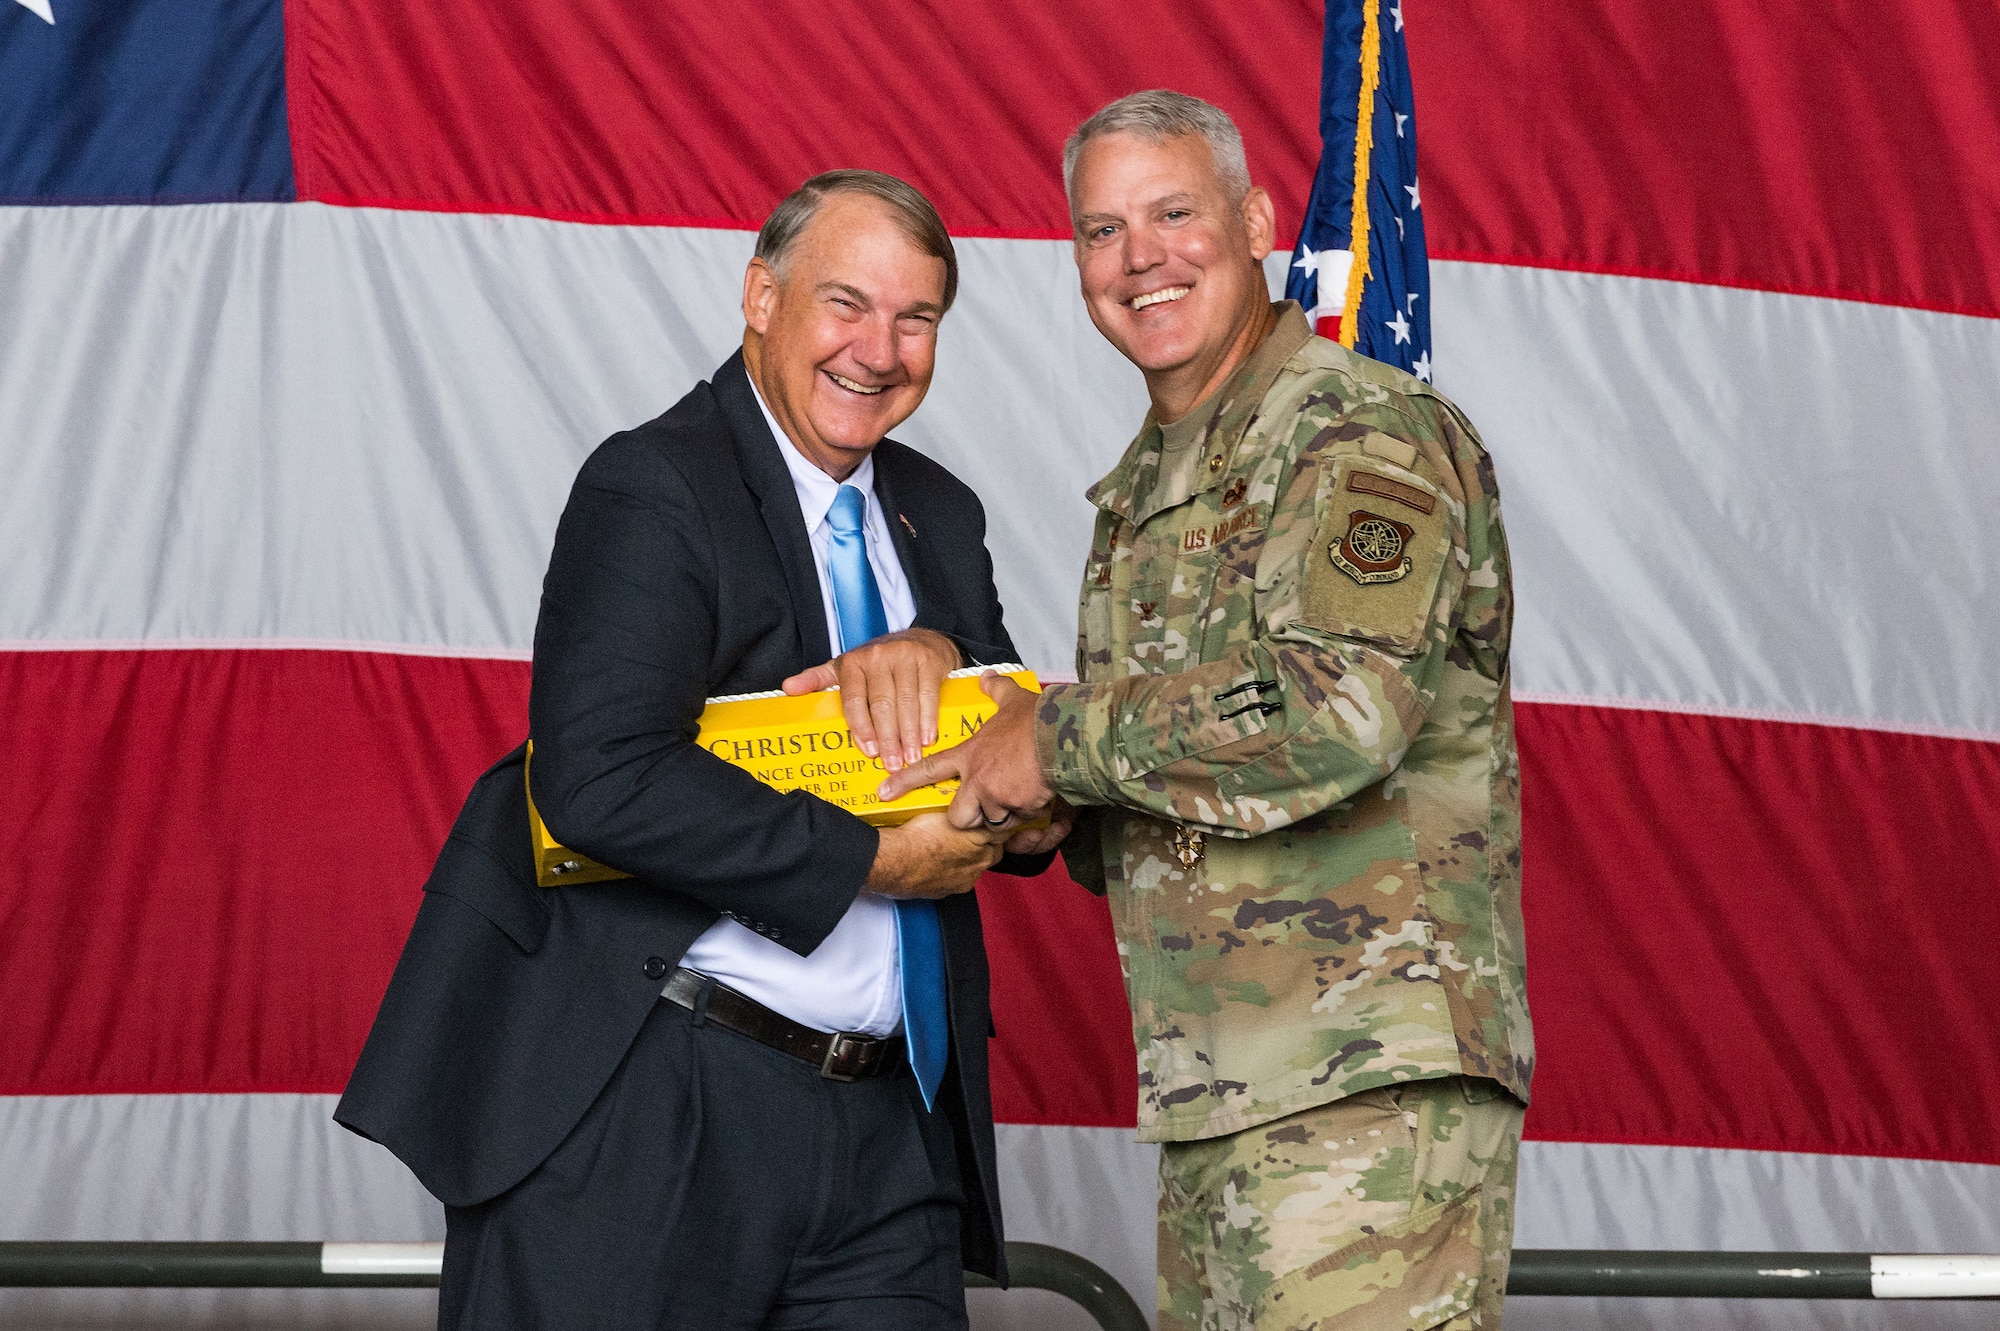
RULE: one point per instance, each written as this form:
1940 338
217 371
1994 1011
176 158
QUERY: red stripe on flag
1825 147
1760 934
1742 933
1830 149
621 111
213 857
1064 1049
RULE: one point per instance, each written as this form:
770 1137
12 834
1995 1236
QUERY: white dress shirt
853 980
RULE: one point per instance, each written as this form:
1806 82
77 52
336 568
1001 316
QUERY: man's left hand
888 692
999 774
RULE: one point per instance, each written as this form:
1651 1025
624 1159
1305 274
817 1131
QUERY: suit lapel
769 480
933 606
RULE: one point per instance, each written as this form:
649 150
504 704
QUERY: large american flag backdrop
310 310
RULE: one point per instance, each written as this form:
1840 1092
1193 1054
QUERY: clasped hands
889 690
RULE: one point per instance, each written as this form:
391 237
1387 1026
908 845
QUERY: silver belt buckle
846 1056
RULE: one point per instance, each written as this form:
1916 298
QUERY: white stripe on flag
346 426
1718 499
147 1167
1735 500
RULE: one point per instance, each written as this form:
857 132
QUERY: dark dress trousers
681 570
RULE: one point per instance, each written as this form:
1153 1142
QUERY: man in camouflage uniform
1292 747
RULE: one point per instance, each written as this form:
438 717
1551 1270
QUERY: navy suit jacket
681 570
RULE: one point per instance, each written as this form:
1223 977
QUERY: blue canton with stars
1393 323
143 101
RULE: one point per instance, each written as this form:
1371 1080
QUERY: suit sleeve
622 651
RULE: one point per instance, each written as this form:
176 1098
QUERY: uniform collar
1150 479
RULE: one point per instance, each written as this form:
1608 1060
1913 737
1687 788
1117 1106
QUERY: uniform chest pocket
1154 642
1193 559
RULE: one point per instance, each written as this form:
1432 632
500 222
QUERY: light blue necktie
857 604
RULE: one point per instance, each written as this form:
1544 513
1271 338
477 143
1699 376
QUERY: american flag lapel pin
907 526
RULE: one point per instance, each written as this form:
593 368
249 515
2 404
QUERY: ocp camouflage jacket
1293 715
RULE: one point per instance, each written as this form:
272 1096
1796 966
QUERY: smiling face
842 344
1172 268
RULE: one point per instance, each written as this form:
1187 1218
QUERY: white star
1421 367
1401 120
1399 228
40 9
1399 326
1329 269
1411 190
1397 14
1410 301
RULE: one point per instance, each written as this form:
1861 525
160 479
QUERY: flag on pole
1360 271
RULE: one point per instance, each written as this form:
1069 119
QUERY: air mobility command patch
1381 549
1372 550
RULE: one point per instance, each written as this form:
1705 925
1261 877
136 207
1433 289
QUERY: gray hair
1159 115
917 219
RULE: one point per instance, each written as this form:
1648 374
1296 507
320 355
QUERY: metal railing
135 1265
1580 1273
416 1265
1082 1282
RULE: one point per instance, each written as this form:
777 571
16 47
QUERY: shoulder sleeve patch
1376 564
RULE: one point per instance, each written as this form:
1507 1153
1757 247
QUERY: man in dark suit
746 1087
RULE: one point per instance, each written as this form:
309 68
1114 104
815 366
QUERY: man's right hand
928 857
999 773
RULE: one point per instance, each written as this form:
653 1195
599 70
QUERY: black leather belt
839 1055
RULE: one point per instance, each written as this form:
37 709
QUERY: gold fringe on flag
1364 152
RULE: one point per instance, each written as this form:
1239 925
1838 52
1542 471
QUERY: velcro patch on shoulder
1379 557
1399 451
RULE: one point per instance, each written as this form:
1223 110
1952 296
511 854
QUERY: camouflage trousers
1389 1210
